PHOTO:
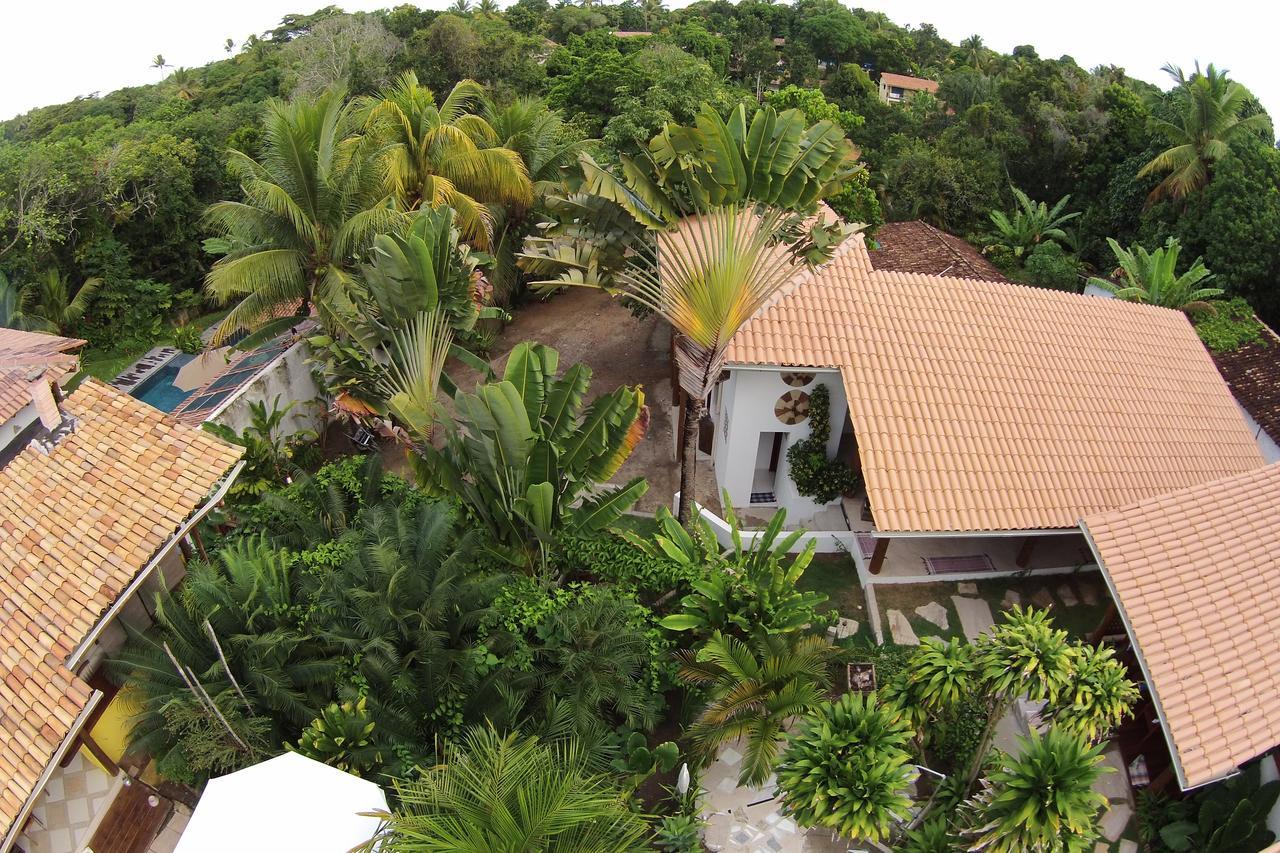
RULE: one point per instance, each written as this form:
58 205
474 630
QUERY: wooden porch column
99 753
185 547
1103 624
1024 553
195 535
877 556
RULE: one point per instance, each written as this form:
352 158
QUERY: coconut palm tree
185 83
460 7
1031 223
494 793
488 7
1041 801
47 305
755 691
1152 278
313 204
1209 119
158 63
447 154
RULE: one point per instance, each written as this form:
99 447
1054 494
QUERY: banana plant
526 455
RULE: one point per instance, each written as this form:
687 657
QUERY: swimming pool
158 389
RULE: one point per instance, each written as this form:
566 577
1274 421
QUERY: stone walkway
747 820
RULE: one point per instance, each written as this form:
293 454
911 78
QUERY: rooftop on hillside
1195 576
988 406
919 247
78 523
1253 373
24 357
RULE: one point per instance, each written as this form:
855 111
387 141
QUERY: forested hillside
115 187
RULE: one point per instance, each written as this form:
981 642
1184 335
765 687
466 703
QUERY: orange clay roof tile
1030 407
79 523
1196 575
20 354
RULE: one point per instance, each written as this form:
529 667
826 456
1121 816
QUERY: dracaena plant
749 587
848 769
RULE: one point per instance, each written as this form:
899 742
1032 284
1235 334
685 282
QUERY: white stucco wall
742 409
288 377
10 429
1266 444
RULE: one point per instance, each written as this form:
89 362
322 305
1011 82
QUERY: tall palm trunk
694 408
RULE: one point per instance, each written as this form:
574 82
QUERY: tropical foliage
495 793
526 453
1153 279
1207 118
1030 224
754 689
1042 800
848 768
747 589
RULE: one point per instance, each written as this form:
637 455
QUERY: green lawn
835 576
1078 619
108 364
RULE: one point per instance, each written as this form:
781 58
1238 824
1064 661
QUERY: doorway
765 475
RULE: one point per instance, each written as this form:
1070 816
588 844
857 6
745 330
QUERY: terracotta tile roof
1196 576
919 247
23 352
1253 374
989 406
906 81
76 526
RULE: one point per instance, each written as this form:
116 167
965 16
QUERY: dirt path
588 326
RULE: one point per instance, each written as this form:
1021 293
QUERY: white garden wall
288 377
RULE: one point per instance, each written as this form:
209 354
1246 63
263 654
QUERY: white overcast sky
54 50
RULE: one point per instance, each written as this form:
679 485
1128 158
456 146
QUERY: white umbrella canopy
289 802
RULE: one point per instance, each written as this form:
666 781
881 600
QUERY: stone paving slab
1042 598
967 588
975 615
1067 595
900 629
1011 597
933 612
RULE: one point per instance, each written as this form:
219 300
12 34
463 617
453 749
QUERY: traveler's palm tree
745 187
1031 223
313 204
1209 105
755 690
447 154
1152 278
494 793
1042 800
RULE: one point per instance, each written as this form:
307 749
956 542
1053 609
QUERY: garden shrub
814 474
1230 327
1050 267
956 734
128 314
613 559
187 339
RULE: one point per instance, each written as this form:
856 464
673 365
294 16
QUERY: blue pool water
158 389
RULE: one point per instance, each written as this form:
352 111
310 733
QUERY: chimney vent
42 396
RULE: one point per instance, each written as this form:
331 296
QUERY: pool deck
135 374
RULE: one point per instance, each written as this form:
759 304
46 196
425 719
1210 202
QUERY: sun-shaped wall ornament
797 380
792 407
